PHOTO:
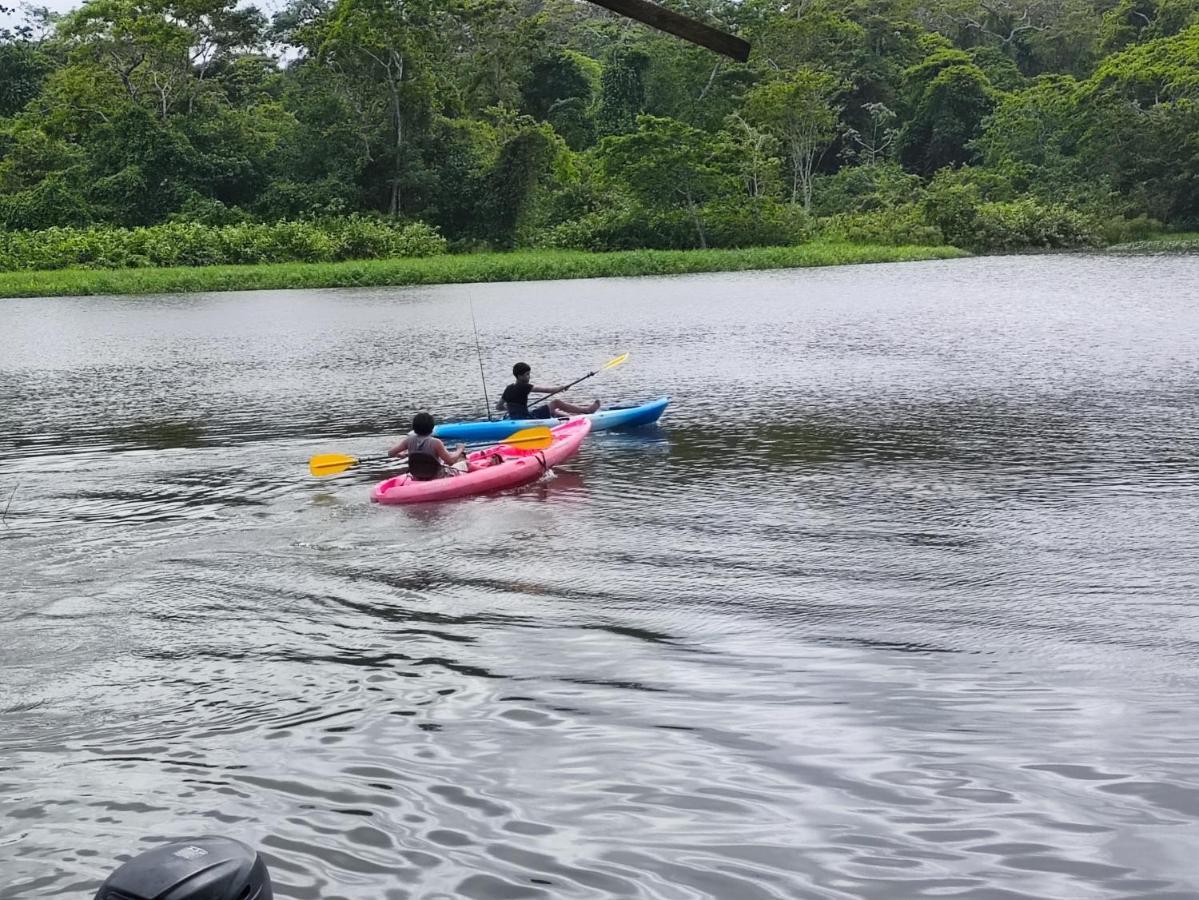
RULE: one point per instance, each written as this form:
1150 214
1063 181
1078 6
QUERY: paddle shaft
466 445
535 438
375 459
612 363
540 400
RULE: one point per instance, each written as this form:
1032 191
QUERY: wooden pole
679 25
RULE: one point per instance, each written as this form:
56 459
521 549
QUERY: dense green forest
989 124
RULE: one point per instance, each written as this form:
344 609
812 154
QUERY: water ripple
896 602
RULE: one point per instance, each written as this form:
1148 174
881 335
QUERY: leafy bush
622 228
207 211
358 237
974 210
193 244
1121 230
953 197
1021 224
899 226
285 199
755 222
54 199
759 222
862 188
178 243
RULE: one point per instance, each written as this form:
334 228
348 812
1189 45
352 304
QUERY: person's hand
461 450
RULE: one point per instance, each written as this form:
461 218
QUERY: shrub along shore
531 265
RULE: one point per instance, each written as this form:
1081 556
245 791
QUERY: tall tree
560 89
798 109
161 52
385 55
668 164
757 155
622 96
23 69
948 99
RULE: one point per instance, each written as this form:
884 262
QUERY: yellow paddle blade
330 463
613 363
537 438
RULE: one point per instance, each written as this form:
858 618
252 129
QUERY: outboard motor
204 868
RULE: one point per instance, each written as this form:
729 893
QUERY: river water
899 601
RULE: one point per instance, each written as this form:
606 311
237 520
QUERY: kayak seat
423 466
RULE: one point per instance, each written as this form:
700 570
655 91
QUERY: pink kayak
493 469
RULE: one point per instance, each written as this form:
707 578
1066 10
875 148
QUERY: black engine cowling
204 868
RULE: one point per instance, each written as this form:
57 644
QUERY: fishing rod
479 351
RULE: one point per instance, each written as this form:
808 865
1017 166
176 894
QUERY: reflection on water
896 602
159 435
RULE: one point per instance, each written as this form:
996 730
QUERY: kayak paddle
537 438
610 364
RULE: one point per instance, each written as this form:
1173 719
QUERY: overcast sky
52 5
268 7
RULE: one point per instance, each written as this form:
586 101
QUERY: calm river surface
901 599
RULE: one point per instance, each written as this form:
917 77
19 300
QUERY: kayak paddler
515 400
428 457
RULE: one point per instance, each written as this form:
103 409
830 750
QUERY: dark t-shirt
516 398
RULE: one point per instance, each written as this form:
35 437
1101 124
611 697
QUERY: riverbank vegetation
139 133
528 265
1161 245
197 244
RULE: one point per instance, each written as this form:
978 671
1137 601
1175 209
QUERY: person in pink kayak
515 400
428 457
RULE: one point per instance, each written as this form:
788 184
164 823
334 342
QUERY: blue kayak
607 418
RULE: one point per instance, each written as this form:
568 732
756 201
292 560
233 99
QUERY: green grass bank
534 265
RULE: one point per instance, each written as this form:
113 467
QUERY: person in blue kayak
428 457
515 400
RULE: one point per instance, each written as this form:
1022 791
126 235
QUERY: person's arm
549 390
447 457
399 449
501 404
